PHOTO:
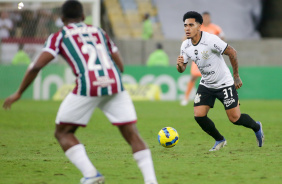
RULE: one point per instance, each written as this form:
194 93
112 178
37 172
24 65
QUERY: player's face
191 27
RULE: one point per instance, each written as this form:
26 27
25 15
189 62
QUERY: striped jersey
87 49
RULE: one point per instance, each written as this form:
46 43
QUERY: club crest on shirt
197 98
205 54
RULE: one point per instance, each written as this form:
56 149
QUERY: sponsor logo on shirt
207 73
228 102
205 66
217 48
81 30
103 81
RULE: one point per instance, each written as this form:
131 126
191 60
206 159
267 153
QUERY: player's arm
181 66
114 52
117 59
232 54
30 75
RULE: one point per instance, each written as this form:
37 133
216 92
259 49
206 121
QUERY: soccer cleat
98 179
260 135
218 145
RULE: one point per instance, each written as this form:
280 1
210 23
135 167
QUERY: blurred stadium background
252 27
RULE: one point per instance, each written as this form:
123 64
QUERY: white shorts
77 110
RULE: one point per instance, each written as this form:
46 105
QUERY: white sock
79 158
145 164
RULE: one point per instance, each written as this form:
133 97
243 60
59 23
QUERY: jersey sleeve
52 44
112 47
218 45
183 53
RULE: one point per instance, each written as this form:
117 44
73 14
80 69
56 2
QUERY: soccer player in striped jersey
96 63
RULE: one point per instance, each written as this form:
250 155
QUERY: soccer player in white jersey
206 51
96 63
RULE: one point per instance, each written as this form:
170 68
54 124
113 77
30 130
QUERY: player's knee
233 117
64 130
132 137
57 134
129 132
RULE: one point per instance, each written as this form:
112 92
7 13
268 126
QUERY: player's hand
180 63
238 82
10 100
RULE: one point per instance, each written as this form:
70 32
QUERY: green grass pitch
29 153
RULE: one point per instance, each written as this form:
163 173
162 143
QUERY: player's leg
245 120
207 125
132 137
68 119
121 112
202 104
75 151
235 116
65 136
230 100
141 153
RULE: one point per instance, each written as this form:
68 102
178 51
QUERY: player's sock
189 89
79 158
145 163
246 121
208 126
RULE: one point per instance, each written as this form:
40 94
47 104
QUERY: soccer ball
168 137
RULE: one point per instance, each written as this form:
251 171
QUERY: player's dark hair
193 15
72 9
206 13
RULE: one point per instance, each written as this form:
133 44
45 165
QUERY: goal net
26 24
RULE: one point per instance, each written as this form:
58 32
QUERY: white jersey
207 54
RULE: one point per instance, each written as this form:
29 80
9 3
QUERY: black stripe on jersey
199 40
224 49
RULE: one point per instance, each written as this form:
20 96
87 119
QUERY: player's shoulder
208 37
55 35
186 43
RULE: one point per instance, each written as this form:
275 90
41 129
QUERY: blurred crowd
28 23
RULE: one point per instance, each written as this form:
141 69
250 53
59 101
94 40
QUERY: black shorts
206 96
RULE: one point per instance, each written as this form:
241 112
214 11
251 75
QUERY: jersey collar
199 39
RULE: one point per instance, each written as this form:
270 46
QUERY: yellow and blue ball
168 137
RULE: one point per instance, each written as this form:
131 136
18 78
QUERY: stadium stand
126 17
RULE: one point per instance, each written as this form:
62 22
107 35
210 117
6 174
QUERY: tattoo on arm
232 54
